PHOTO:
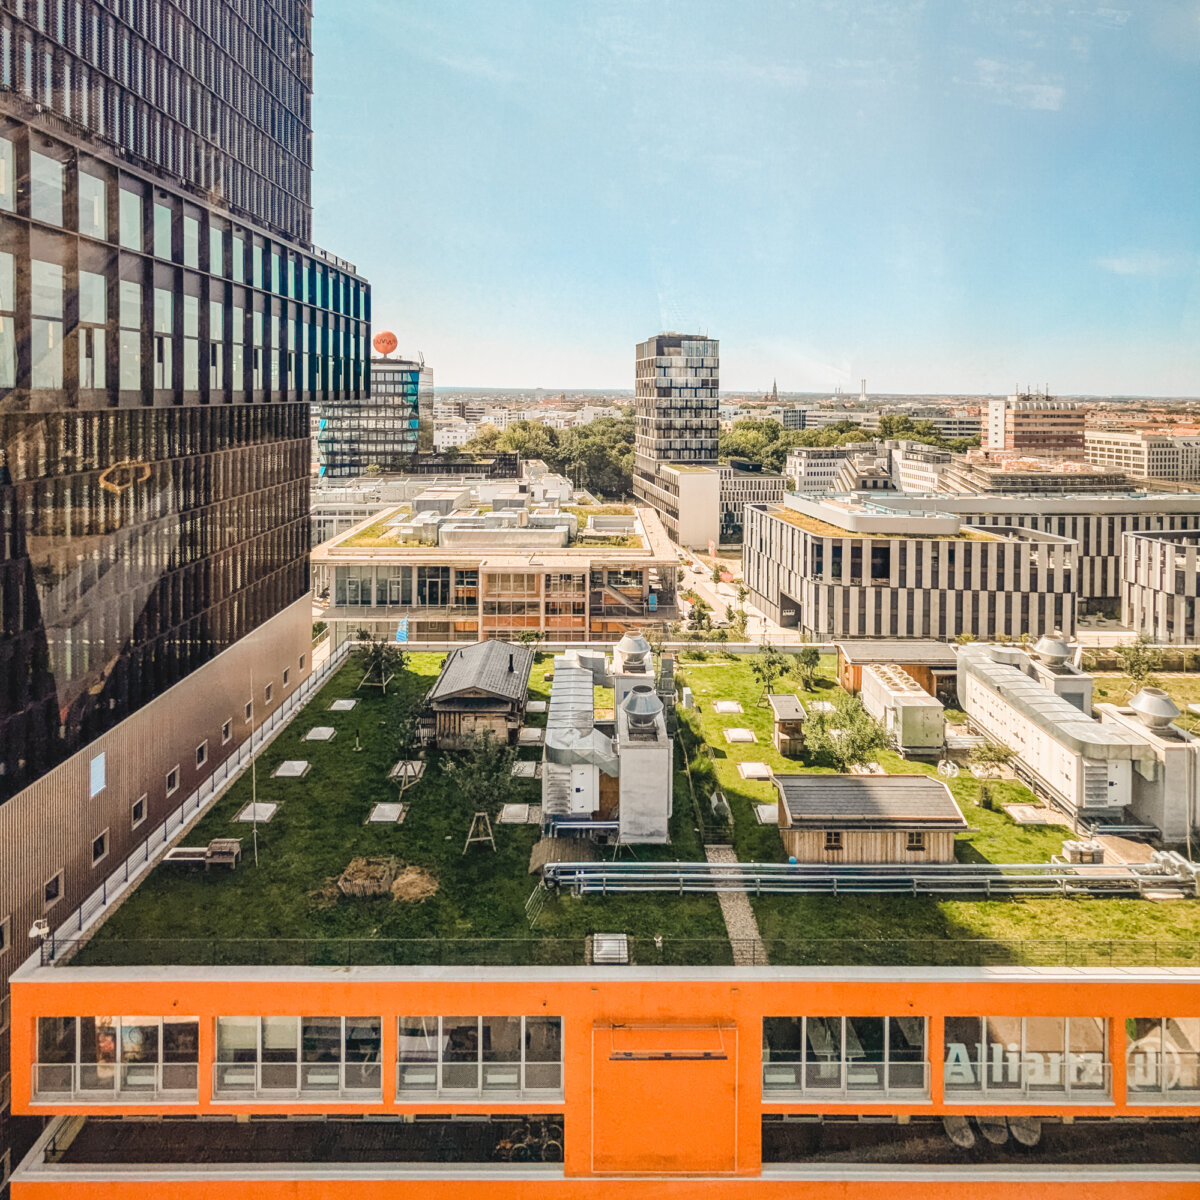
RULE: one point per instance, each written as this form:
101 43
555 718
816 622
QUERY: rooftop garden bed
285 906
286 909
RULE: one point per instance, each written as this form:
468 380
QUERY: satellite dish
384 342
947 770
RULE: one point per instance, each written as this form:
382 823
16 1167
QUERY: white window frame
249 711
227 731
287 671
47 905
172 789
303 659
267 692
202 754
98 859
94 791
134 819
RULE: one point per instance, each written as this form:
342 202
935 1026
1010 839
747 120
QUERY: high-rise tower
676 385
165 323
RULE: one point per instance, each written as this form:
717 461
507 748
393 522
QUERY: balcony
276 1082
845 1081
115 1083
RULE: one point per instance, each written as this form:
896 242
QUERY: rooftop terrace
285 909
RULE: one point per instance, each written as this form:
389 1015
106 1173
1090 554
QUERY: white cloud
1147 262
1013 84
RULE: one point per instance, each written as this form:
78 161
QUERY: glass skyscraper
385 428
165 325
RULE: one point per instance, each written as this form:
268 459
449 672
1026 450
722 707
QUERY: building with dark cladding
165 325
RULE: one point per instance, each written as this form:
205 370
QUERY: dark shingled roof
868 802
914 650
484 667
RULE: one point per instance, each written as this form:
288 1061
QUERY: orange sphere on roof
385 342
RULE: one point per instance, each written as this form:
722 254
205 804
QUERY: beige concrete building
462 579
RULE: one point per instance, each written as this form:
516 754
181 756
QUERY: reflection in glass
93 213
191 242
46 302
45 189
129 219
8 182
162 231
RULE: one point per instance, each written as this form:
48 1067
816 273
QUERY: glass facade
157 360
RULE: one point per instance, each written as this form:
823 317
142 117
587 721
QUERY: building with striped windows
165 325
846 567
1160 586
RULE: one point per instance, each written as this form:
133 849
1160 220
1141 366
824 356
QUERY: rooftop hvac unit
1154 708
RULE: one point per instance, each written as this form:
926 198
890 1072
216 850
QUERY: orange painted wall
968 1187
644 1115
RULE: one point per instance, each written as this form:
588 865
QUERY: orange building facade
651 1079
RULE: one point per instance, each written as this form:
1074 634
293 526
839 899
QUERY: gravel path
740 925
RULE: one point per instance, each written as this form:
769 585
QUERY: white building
814 468
1160 586
916 467
913 717
452 433
1145 455
1103 771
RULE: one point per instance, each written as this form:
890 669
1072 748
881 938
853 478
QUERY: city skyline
938 199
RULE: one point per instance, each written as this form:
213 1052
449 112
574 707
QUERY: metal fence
645 951
158 841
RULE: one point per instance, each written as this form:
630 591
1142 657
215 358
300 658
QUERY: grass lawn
320 826
1112 687
994 837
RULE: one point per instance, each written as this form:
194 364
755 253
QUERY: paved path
740 925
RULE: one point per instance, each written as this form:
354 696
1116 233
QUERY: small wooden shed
790 716
934 665
867 818
483 689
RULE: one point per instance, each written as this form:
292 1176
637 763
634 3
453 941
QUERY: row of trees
765 442
597 456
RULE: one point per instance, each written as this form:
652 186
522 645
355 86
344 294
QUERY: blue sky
944 196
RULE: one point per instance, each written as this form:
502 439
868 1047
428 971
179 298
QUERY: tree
849 736
381 661
1139 660
737 621
716 572
530 635
701 614
766 667
743 593
964 638
373 469
482 772
405 723
992 754
484 441
807 662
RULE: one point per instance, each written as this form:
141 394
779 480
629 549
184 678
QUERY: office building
677 380
1034 423
1008 475
1160 586
915 466
815 468
743 484
839 568
1096 522
1144 454
165 324
384 427
461 575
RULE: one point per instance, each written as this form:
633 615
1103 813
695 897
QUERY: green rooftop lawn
320 826
994 837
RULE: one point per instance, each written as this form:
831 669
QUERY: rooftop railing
643 951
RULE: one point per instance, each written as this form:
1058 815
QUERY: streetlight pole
253 772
